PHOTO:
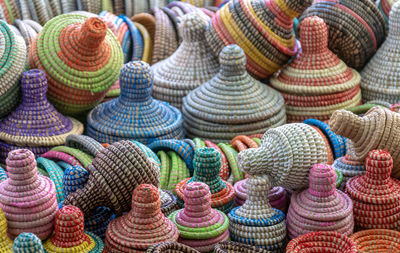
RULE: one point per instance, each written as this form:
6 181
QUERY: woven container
27 199
79 70
375 130
168 202
3 175
55 173
75 177
98 220
28 29
317 82
27 242
171 247
13 59
224 170
348 168
69 234
5 242
135 114
379 80
192 64
207 163
84 143
322 241
277 196
385 6
256 222
356 28
376 196
200 226
262 29
113 188
281 155
321 207
377 240
235 247
35 124
143 226
232 102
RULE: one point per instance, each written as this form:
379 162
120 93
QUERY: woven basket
207 163
379 80
153 120
84 143
5 242
35 123
143 226
80 70
256 222
3 175
200 226
27 242
376 195
277 196
282 153
262 29
377 240
348 168
375 130
192 64
113 188
171 247
356 28
232 102
321 207
235 247
54 171
69 234
28 200
322 241
317 82
13 59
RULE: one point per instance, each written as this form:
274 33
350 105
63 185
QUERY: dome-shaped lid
143 226
232 102
27 242
36 122
192 64
281 155
27 196
153 119
321 205
12 64
69 233
380 80
317 82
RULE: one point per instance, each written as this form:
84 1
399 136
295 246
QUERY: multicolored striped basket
84 143
13 61
98 220
322 241
191 65
207 163
27 242
321 207
375 130
113 188
356 28
377 240
171 247
143 226
262 29
376 195
69 235
232 103
35 124
348 168
3 175
316 83
79 70
256 223
235 247
28 200
281 155
379 80
200 226
135 114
